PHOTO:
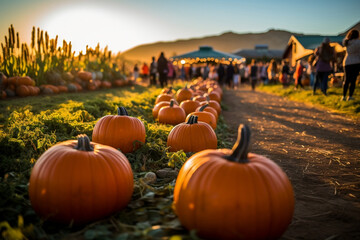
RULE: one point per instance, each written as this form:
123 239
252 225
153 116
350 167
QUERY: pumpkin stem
203 107
170 89
207 98
192 120
84 143
171 103
240 149
122 111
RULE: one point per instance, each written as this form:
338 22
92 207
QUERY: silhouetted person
163 70
221 73
351 62
153 71
229 74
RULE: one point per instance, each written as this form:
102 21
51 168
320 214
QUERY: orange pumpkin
22 91
215 96
192 136
183 94
169 91
171 114
163 97
214 104
120 131
207 108
158 106
189 106
233 194
62 88
203 116
200 98
80 181
84 75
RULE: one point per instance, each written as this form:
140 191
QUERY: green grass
29 126
331 101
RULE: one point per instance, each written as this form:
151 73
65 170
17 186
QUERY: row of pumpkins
221 193
25 86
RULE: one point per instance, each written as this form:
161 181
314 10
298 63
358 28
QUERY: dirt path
320 152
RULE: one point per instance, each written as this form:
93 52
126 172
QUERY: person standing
162 67
351 62
325 58
136 72
153 71
253 73
145 72
221 73
236 78
229 75
299 74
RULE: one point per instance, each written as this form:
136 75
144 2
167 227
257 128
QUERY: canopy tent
207 54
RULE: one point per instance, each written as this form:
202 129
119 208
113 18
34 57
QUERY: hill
226 42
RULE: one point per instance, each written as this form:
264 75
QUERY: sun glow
90 25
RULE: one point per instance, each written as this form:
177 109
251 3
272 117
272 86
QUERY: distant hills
226 42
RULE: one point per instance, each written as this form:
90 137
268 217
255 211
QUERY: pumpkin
192 136
189 106
207 108
158 106
2 94
9 92
233 194
169 91
71 87
200 98
106 84
120 131
84 75
171 114
183 94
119 83
163 97
212 103
78 181
203 116
22 91
215 96
62 88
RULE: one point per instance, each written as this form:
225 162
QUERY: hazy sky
122 24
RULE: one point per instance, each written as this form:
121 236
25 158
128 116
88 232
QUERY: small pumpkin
207 108
233 194
163 97
171 114
84 75
192 136
120 131
183 94
158 106
189 106
22 91
79 181
203 116
212 103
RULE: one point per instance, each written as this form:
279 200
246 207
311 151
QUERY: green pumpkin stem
170 90
240 149
84 143
192 119
203 107
207 98
122 111
172 103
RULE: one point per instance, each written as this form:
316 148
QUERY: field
29 126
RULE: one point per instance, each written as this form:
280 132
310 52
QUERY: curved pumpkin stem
240 149
207 98
84 143
122 111
192 119
170 89
203 107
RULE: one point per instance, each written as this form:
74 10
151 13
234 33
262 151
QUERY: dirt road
320 152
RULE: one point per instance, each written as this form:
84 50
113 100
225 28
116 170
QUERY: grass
330 102
29 126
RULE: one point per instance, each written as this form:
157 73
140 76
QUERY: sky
123 24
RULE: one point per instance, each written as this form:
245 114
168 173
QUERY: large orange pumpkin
22 91
80 181
192 136
158 106
171 114
233 194
120 131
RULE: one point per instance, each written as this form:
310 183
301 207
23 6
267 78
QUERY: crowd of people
314 71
